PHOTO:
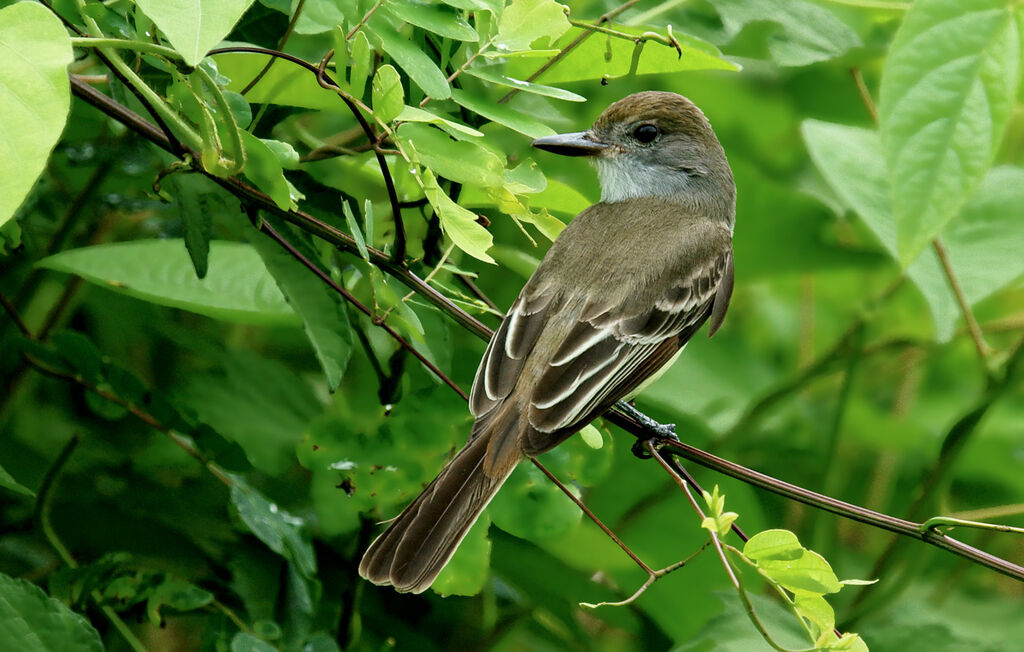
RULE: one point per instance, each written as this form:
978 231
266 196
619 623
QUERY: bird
616 298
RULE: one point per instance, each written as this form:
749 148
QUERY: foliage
201 428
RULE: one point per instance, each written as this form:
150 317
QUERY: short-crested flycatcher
618 295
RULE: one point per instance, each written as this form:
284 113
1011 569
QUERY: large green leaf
194 26
457 222
525 21
410 57
460 161
258 403
807 32
947 91
983 244
323 316
31 621
434 18
237 287
502 114
284 533
34 97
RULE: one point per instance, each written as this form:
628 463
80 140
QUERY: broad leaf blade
34 97
947 90
194 26
323 316
31 621
237 288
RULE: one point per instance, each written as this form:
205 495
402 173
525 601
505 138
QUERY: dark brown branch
313 267
12 312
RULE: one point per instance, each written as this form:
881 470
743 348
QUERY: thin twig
593 517
44 504
366 17
12 312
280 46
984 351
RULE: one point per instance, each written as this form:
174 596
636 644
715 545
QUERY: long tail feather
418 544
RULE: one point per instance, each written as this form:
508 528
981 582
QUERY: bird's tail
421 540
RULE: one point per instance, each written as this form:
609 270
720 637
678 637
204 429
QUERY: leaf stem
44 504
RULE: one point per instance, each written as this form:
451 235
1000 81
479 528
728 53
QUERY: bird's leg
658 431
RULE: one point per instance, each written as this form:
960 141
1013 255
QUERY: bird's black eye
645 133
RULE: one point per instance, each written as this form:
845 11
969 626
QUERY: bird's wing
604 355
607 355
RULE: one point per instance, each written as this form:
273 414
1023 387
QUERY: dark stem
313 267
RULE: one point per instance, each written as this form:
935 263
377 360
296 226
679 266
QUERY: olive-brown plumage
617 296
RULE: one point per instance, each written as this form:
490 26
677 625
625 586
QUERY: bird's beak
581 143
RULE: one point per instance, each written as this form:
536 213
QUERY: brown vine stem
280 45
984 350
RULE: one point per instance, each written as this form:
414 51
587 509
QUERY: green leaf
194 26
357 233
809 33
850 159
460 161
983 244
467 572
947 91
496 77
31 621
7 481
282 532
255 402
525 21
458 223
238 287
819 613
456 129
531 507
192 195
323 316
34 97
244 642
600 57
434 18
809 573
176 594
772 545
420 68
362 59
319 16
388 95
263 168
502 114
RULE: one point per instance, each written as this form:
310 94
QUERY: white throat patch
622 178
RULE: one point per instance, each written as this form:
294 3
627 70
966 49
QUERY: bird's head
653 144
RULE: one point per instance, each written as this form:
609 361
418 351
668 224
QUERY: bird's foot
657 431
